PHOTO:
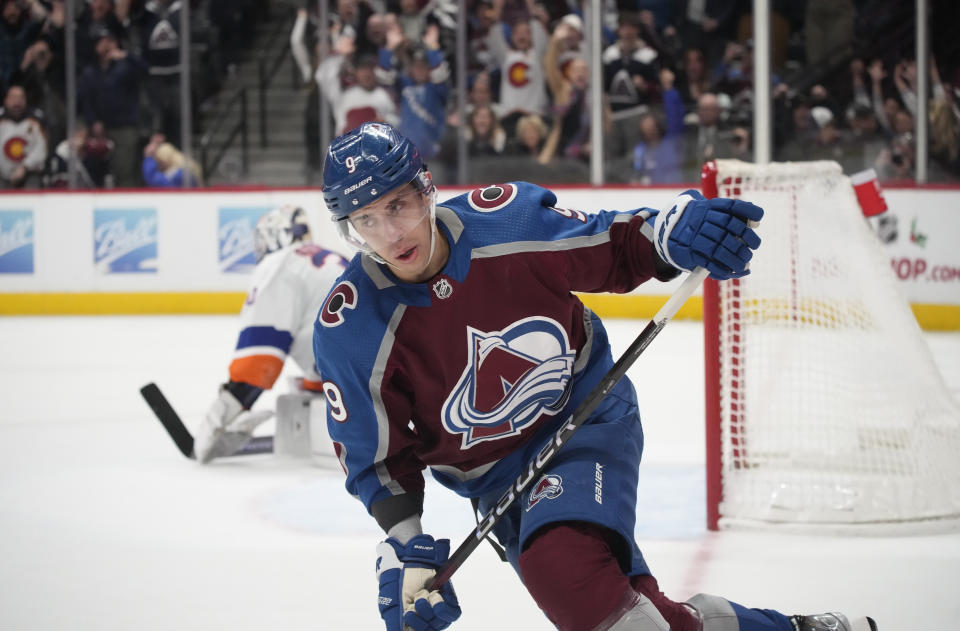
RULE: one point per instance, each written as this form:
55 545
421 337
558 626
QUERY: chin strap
432 196
433 241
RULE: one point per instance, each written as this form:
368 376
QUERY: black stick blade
169 418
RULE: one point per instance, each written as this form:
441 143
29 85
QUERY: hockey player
289 283
454 341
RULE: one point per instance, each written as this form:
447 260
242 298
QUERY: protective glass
388 220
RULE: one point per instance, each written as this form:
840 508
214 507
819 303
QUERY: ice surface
104 526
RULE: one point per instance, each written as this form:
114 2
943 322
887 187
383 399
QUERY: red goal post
824 408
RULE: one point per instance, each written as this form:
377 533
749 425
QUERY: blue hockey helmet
365 164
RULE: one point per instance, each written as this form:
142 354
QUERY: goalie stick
181 435
539 464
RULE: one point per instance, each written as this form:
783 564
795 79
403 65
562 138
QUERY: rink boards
123 252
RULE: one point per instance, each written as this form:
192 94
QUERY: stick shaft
539 464
168 418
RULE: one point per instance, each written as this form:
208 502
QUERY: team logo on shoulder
343 296
492 197
442 288
512 378
548 487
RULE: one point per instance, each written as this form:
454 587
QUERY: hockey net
825 409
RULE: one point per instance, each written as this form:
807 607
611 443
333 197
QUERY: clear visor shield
388 220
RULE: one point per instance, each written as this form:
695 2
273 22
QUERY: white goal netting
832 411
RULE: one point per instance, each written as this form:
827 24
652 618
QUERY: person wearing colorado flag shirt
23 143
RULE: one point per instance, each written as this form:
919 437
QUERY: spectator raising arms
95 18
41 75
362 102
422 86
522 80
944 123
160 41
18 30
570 135
108 91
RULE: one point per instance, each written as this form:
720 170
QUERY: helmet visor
386 221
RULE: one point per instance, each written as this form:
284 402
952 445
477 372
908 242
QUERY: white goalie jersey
286 292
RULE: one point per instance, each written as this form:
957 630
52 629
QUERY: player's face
397 227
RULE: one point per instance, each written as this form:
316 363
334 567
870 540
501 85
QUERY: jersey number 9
335 402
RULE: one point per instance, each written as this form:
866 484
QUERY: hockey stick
539 464
181 435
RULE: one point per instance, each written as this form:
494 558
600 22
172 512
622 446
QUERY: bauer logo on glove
404 571
716 234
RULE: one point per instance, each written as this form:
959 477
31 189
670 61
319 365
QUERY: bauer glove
226 428
404 572
713 233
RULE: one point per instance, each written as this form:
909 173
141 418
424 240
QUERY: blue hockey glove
404 571
710 233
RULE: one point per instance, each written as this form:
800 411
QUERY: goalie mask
279 228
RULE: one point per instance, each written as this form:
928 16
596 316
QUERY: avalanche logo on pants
549 487
512 377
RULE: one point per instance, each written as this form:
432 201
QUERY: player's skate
832 622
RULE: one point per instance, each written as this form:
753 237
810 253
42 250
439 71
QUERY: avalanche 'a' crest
512 377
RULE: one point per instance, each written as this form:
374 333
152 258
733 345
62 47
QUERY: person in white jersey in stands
519 56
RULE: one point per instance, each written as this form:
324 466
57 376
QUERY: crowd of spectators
677 84
127 85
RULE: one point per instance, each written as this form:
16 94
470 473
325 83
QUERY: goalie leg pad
293 425
574 577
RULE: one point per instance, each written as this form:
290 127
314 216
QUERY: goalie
289 283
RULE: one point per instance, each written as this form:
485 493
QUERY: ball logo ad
16 242
235 238
125 240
